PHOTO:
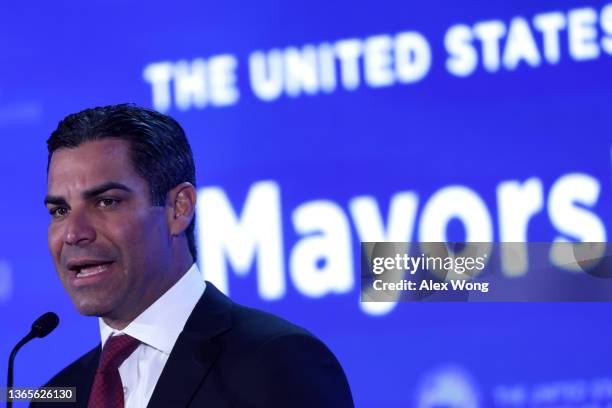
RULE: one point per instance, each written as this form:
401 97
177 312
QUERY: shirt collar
161 323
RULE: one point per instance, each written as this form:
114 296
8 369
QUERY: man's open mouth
89 268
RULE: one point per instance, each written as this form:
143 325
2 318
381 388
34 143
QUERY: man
121 195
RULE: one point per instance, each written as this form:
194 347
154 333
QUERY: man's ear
180 207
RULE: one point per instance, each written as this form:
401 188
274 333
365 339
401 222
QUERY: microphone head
45 324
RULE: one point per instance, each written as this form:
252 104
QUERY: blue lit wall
317 125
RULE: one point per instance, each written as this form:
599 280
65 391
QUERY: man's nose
79 230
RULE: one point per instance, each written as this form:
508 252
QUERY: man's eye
107 202
58 212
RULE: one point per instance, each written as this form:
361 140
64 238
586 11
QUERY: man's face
108 242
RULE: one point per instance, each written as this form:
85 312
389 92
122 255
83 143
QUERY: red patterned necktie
107 389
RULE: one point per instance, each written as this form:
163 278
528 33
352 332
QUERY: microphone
41 327
44 325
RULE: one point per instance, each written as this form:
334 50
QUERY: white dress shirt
157 328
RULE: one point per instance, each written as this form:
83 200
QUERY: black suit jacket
229 355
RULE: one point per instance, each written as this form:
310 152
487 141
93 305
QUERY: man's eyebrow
89 194
102 188
55 200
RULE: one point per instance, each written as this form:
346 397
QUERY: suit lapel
84 382
195 351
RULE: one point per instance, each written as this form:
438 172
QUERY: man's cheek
55 244
140 228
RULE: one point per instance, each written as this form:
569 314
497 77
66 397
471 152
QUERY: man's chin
88 308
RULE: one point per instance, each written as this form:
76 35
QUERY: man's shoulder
279 363
258 327
237 325
268 337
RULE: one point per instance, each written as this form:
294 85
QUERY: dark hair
159 150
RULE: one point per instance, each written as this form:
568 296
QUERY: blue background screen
321 124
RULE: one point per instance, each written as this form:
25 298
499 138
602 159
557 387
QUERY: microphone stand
30 336
42 326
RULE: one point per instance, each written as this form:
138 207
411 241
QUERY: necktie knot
116 350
